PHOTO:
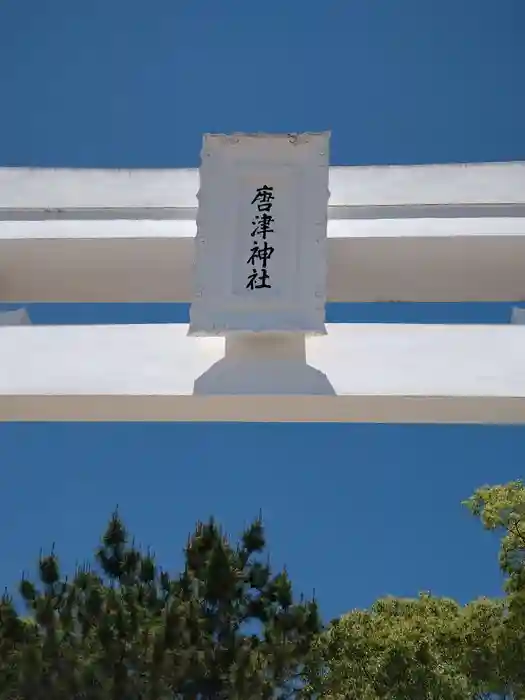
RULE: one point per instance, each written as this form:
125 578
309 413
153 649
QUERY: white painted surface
396 233
50 188
380 373
16 317
261 364
260 253
385 242
390 185
518 316
376 260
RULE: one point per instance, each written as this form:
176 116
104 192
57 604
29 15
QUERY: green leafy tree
501 509
432 648
125 629
226 627
426 648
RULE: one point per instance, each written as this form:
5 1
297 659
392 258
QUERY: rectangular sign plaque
260 262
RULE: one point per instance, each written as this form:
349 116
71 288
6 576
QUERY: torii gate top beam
355 192
395 233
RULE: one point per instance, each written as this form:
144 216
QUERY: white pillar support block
263 364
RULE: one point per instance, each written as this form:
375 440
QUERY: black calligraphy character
262 280
263 253
252 279
264 198
263 225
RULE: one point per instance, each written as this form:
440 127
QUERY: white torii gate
441 233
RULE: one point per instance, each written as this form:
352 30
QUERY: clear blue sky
355 511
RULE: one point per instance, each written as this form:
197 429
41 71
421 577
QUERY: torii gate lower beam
380 373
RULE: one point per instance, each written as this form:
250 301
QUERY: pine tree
125 629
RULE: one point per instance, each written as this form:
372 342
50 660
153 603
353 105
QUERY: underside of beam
379 373
419 260
265 409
